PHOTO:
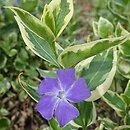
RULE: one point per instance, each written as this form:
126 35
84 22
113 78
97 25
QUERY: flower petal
15 3
48 85
46 106
79 91
65 112
66 77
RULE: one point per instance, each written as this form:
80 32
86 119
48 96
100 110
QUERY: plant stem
84 128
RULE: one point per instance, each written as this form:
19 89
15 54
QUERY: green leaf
54 124
37 44
33 24
15 86
11 94
4 112
127 90
4 86
48 18
119 2
116 14
3 61
108 124
69 127
57 15
20 63
105 28
31 71
123 66
4 123
126 99
28 5
23 55
22 96
47 73
83 51
12 52
87 114
37 36
95 28
127 120
98 71
59 49
115 101
29 90
1 77
125 47
120 31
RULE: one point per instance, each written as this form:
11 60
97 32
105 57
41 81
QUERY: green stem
54 48
84 128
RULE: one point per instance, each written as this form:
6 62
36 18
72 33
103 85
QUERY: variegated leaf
124 48
57 15
74 54
98 71
38 37
87 114
29 90
115 101
34 24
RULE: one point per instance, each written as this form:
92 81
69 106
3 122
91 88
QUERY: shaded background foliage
16 108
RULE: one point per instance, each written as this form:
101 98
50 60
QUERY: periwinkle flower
15 3
58 93
1 12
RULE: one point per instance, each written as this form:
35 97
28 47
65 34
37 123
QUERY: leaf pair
40 36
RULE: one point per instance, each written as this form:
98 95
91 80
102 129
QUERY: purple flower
1 12
15 3
58 93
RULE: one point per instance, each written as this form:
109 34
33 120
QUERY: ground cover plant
70 78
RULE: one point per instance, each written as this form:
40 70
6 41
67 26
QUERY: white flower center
61 95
